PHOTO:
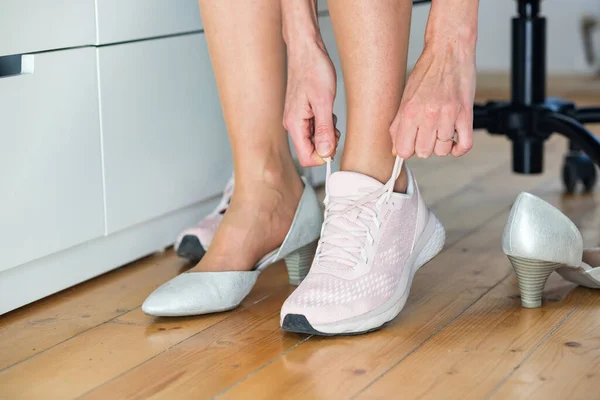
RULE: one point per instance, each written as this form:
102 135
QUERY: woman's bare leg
372 38
248 57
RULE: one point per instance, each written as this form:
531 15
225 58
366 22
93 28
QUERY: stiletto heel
298 263
531 277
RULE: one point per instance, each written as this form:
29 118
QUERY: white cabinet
51 195
165 142
35 25
125 20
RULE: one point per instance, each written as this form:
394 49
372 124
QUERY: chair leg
578 167
575 131
588 115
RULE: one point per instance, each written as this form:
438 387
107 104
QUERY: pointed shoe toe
198 293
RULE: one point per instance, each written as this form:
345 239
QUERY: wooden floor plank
41 325
566 365
112 348
211 361
469 358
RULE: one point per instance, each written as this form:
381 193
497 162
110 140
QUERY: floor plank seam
256 371
232 313
435 333
531 352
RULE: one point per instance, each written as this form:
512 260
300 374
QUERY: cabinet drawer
125 20
37 25
165 142
50 157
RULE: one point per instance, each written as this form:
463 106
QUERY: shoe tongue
345 183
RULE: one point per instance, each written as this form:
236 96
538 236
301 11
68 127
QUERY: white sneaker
373 240
193 242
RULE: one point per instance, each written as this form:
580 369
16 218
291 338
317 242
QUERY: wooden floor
462 334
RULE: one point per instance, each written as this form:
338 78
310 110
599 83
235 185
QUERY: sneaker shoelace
349 221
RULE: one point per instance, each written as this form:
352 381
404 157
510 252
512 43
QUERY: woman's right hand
311 85
308 115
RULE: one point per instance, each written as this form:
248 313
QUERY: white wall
564 43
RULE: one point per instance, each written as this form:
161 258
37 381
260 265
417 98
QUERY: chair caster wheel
579 167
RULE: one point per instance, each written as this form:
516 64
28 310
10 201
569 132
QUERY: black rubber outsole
297 323
190 248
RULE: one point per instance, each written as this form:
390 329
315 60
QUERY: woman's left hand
437 102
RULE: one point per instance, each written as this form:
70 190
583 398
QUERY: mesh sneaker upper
335 291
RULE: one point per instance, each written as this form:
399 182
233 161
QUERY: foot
373 241
257 220
193 242
217 290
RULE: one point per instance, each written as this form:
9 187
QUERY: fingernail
324 148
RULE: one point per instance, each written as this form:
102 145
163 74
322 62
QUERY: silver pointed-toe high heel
539 239
196 293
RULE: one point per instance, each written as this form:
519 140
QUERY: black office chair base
530 118
529 126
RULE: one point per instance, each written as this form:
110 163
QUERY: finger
338 135
324 133
404 132
425 141
464 129
301 134
442 149
445 132
427 135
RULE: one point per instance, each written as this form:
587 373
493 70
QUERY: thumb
324 134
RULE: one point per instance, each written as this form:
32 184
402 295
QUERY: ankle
272 172
381 171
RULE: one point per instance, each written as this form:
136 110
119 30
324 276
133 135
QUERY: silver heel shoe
539 239
298 263
196 293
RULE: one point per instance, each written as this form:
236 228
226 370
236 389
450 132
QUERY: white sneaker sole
429 244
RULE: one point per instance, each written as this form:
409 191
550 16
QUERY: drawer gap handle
18 64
